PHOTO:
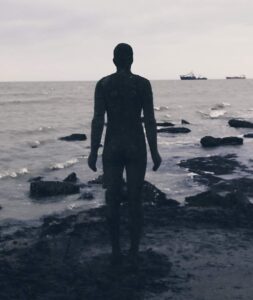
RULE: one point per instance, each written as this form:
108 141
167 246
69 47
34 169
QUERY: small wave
39 129
219 106
217 113
161 108
168 116
13 174
201 112
28 102
213 114
66 164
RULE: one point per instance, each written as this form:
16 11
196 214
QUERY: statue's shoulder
105 81
142 81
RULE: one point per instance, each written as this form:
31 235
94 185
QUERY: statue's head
123 56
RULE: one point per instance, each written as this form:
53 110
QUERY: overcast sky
74 39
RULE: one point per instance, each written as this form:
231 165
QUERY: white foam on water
13 174
217 113
66 164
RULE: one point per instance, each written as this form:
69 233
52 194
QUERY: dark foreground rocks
39 189
151 195
209 141
67 257
174 130
74 137
238 123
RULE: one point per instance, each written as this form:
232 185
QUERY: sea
34 115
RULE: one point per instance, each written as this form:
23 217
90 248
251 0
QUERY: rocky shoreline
67 257
200 250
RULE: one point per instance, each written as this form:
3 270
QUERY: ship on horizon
236 77
191 76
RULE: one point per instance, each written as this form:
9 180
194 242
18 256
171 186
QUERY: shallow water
34 115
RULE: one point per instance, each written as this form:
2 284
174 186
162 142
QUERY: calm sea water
34 115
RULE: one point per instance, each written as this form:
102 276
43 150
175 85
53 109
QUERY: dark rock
205 199
39 178
235 185
231 140
174 130
98 180
74 137
1 207
86 196
71 178
52 188
216 164
211 198
151 194
185 122
164 124
248 135
167 203
209 141
238 123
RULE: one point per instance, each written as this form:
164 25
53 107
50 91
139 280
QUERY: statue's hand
157 160
92 160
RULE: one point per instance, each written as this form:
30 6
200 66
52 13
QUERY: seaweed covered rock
98 180
239 123
225 200
74 137
152 195
71 178
209 141
174 130
215 164
40 189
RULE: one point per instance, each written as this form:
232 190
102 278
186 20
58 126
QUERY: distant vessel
236 77
191 76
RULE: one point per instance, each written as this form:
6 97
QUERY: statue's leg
113 172
135 171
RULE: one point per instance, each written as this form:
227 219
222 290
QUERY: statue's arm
150 123
97 125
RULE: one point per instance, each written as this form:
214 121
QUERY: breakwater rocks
215 164
74 137
209 141
225 193
239 123
174 130
39 189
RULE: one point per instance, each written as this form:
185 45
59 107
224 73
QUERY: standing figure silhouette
123 96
